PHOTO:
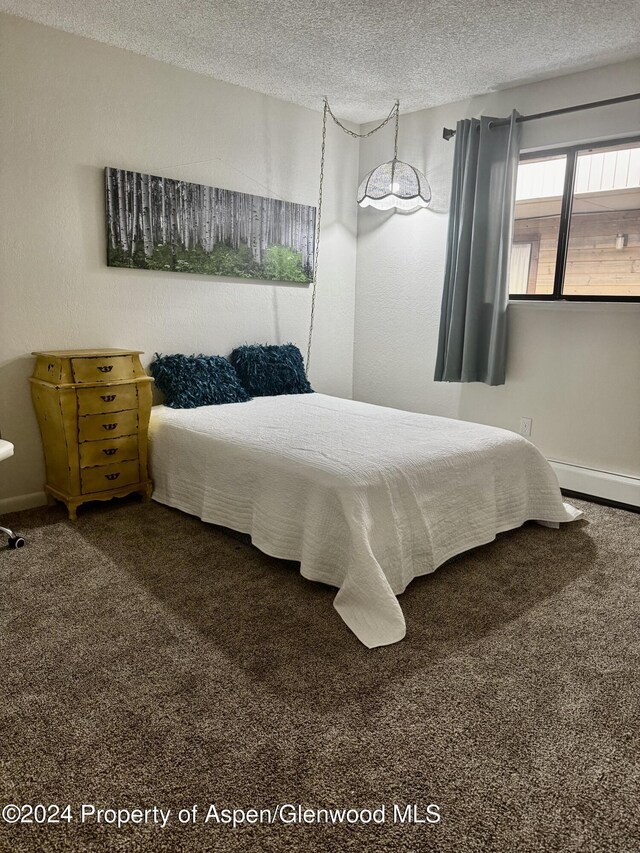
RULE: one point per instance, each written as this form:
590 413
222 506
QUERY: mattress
365 498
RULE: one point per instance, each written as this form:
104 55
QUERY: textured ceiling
361 53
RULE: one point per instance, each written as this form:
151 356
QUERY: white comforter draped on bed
365 498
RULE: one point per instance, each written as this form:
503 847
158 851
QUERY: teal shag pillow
189 381
269 370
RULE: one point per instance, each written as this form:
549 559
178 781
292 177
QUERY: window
576 229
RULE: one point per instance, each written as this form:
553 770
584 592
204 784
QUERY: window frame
571 152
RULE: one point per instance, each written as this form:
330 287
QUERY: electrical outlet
525 427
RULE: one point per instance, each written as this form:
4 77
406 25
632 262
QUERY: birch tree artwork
162 224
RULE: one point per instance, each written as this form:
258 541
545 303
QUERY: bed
365 498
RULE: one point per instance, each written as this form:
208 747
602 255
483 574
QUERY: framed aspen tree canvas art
158 223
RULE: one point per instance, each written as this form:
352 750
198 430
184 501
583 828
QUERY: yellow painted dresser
93 410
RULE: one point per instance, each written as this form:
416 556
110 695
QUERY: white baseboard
600 484
22 502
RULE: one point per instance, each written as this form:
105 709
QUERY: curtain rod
448 133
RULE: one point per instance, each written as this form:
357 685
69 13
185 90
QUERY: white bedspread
365 498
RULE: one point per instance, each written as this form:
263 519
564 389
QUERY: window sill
576 304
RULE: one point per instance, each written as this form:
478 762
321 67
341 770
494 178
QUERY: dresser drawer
107 452
108 368
92 401
97 427
106 477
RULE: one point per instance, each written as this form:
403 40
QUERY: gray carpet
149 659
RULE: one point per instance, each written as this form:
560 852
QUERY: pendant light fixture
395 184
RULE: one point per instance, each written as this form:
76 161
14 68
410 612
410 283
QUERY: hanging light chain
395 111
395 141
316 250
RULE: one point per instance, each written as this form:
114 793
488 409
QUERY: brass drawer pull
112 476
105 368
108 398
110 451
109 426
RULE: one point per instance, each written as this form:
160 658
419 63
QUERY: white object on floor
365 498
6 449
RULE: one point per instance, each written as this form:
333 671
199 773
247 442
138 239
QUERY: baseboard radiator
619 488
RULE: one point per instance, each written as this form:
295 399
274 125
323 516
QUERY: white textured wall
69 107
575 369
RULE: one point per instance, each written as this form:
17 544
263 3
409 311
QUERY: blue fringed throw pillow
189 381
270 370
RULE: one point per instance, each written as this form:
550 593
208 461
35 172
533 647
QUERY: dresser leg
146 494
73 511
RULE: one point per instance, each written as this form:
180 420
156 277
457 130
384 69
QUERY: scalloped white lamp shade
394 184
